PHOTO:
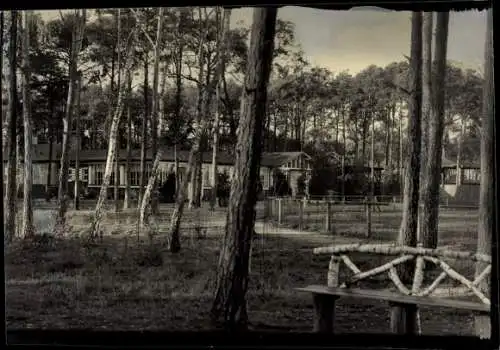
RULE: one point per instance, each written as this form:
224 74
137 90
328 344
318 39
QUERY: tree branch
143 28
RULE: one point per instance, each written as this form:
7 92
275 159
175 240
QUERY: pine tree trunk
401 317
11 196
27 229
487 213
432 170
427 26
76 45
229 306
113 134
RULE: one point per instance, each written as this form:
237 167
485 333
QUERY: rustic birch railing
406 296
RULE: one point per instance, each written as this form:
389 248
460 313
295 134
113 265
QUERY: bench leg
404 318
324 313
482 325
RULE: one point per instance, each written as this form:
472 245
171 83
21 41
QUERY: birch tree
229 306
113 133
201 121
222 51
76 45
150 191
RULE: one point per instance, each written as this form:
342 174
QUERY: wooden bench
405 299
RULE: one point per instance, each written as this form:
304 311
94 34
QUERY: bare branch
143 28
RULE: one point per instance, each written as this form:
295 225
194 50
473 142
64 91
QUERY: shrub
168 189
223 188
281 188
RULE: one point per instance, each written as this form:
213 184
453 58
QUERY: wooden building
460 185
93 162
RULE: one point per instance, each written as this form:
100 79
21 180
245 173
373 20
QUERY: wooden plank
395 297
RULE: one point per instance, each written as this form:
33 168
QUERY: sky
352 40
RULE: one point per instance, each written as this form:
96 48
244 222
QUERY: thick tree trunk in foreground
76 45
432 169
113 134
401 317
10 199
229 306
27 228
427 26
486 225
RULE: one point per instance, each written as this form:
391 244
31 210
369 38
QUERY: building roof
271 159
447 163
276 159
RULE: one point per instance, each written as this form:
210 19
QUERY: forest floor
125 283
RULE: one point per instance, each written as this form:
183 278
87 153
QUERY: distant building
93 162
460 186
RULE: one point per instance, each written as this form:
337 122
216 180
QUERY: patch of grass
125 283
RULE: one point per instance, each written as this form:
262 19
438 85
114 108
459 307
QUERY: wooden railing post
333 271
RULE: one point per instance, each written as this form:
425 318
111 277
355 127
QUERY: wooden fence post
301 214
267 208
328 217
368 218
280 209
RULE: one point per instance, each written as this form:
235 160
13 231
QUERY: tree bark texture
427 26
432 169
10 200
408 230
487 213
229 306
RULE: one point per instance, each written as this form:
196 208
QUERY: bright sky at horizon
352 40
